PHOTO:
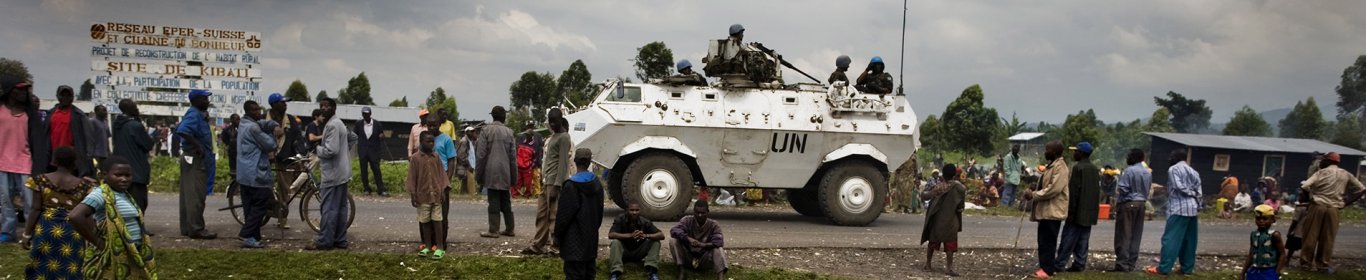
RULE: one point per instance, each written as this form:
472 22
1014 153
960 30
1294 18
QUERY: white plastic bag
725 198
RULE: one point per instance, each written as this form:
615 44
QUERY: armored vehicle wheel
852 193
661 183
805 202
614 189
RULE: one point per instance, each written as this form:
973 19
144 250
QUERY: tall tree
1160 121
930 135
1080 127
321 94
438 99
654 61
297 91
1188 115
1352 93
1347 133
1304 121
966 122
14 67
1247 122
357 91
575 83
535 92
87 90
401 102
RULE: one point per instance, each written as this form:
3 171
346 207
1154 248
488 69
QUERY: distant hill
1274 117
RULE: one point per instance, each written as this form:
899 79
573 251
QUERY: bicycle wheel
351 210
311 209
234 197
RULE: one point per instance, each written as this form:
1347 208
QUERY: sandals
439 254
425 251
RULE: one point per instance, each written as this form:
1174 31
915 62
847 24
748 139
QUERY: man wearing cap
368 147
67 128
1082 208
1326 190
874 80
417 130
497 170
465 155
288 145
23 149
195 165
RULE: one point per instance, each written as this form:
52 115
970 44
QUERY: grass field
166 175
241 264
1089 275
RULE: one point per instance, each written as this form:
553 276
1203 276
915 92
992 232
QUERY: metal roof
1025 136
352 112
1264 144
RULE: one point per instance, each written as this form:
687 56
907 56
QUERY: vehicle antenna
901 75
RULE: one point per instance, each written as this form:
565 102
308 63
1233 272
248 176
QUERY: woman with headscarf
944 218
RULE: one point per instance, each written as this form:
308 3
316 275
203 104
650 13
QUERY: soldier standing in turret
731 51
874 80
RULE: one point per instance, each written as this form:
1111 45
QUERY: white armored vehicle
831 148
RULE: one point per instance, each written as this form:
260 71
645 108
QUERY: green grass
1293 274
270 264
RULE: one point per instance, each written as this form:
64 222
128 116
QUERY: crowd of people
1065 200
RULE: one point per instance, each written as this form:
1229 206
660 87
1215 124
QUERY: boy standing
1267 253
426 184
579 218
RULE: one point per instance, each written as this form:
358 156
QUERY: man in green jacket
1082 207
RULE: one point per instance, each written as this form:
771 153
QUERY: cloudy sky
1040 59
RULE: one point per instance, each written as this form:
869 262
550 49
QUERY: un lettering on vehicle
789 142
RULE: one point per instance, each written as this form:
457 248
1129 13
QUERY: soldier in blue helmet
874 79
841 65
686 76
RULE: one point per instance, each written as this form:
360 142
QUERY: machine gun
775 56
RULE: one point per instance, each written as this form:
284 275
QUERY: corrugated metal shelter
1031 143
1244 157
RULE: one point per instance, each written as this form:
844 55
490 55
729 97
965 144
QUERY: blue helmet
736 28
842 61
876 59
683 64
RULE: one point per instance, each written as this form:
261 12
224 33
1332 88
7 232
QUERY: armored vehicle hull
831 148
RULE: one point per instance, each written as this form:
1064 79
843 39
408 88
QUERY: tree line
966 120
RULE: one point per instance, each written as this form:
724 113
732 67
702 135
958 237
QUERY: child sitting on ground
425 185
1267 254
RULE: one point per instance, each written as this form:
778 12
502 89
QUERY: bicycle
304 185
